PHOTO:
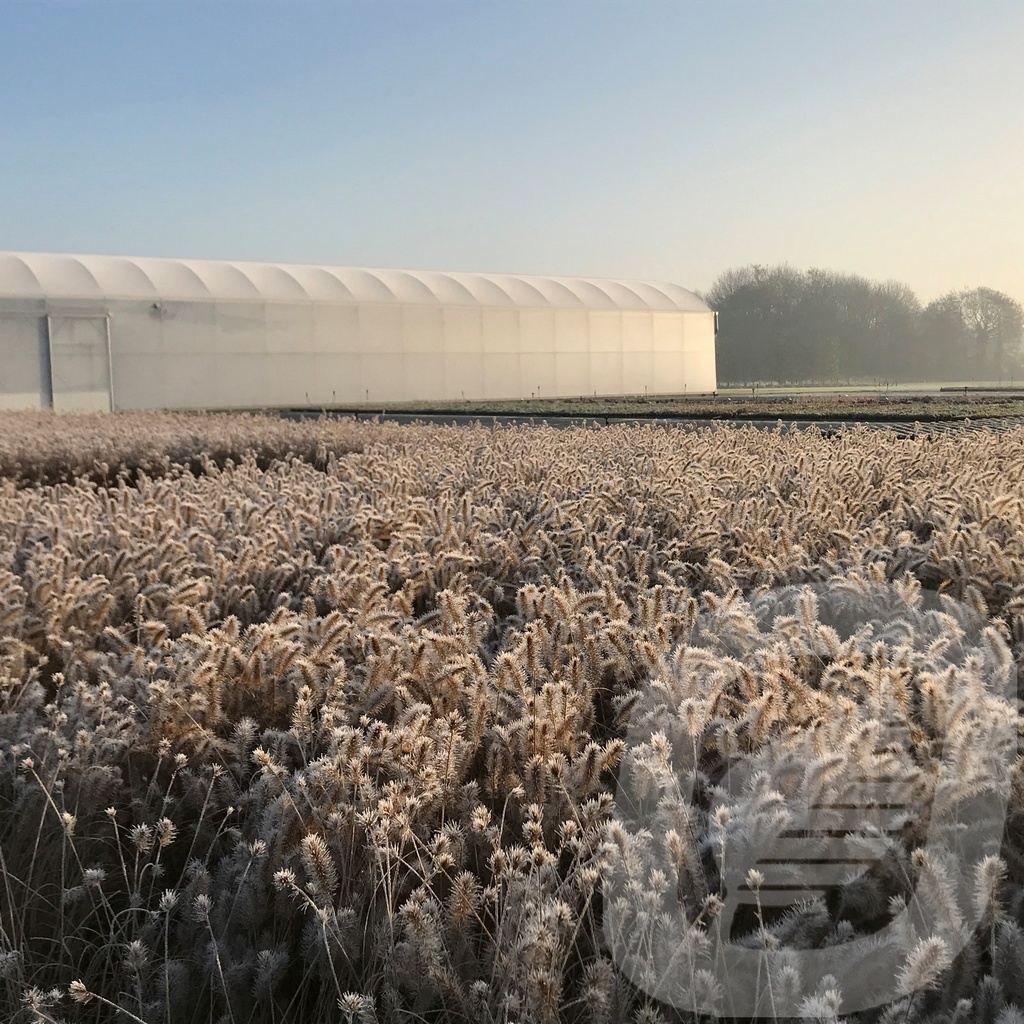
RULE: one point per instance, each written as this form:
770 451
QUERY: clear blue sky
666 140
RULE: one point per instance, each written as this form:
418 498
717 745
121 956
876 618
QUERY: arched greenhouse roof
64 276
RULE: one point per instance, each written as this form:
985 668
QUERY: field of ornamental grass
339 721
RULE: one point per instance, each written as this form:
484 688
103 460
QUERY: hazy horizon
665 141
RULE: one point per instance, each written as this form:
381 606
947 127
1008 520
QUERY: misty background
779 325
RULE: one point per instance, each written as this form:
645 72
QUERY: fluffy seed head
923 967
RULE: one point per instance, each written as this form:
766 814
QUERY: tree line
782 325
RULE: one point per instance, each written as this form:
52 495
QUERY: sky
642 139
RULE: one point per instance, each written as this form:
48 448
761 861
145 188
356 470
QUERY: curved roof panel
63 276
17 278
407 286
558 293
447 288
173 280
654 296
321 284
274 283
625 296
226 280
485 289
593 294
115 274
521 290
66 275
365 285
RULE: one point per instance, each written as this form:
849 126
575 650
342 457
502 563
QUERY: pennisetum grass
329 721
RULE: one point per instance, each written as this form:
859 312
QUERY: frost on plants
356 722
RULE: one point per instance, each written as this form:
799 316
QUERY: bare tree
979 330
994 321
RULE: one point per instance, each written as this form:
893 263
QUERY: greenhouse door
24 362
80 363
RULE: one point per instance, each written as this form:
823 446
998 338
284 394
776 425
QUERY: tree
976 333
757 340
781 324
943 343
994 324
895 331
837 318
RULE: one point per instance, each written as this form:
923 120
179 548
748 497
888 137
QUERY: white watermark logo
811 784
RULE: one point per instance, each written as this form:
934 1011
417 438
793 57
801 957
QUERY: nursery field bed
346 720
797 405
900 427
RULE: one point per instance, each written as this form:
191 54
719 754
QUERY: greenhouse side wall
254 354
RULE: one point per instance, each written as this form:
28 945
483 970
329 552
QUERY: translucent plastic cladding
100 332
64 276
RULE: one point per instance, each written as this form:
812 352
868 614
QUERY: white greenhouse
109 332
